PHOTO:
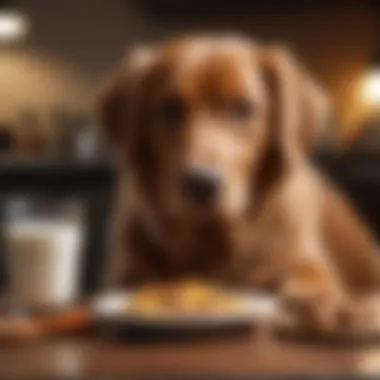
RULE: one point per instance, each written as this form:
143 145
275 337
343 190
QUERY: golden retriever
212 136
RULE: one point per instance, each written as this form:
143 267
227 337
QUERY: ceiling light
13 24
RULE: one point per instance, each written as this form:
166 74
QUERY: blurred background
54 56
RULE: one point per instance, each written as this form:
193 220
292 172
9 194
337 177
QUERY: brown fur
278 223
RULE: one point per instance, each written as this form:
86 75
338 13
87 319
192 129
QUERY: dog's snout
200 184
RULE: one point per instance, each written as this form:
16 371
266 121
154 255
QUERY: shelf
55 175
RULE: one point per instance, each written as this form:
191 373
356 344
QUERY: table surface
249 354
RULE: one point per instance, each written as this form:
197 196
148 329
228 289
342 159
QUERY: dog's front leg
313 294
310 289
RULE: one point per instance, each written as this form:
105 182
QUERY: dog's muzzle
200 184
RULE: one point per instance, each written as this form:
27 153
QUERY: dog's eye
241 109
172 111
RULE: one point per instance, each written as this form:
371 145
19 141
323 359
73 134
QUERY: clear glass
43 243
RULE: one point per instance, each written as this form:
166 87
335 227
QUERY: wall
74 43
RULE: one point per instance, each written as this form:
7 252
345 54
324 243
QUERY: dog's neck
183 240
185 246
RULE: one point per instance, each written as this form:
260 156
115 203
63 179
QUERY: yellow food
186 297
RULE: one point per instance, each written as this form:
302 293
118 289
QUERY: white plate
112 308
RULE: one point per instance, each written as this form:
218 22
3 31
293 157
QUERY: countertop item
114 309
21 328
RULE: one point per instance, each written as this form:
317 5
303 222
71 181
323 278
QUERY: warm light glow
13 25
371 87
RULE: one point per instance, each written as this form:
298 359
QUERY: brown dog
212 136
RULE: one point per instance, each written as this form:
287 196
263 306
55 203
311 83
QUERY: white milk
44 261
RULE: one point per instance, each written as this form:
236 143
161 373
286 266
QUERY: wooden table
244 355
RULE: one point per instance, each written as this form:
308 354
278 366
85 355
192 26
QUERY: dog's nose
200 184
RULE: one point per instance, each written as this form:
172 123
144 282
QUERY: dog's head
196 119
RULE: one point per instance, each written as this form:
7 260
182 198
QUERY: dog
213 136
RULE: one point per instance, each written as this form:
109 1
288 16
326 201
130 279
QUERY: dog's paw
365 311
333 314
317 310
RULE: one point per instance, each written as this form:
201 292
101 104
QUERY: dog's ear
299 108
117 100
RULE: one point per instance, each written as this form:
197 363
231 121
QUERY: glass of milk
43 242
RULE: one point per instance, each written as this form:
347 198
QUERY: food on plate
188 297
